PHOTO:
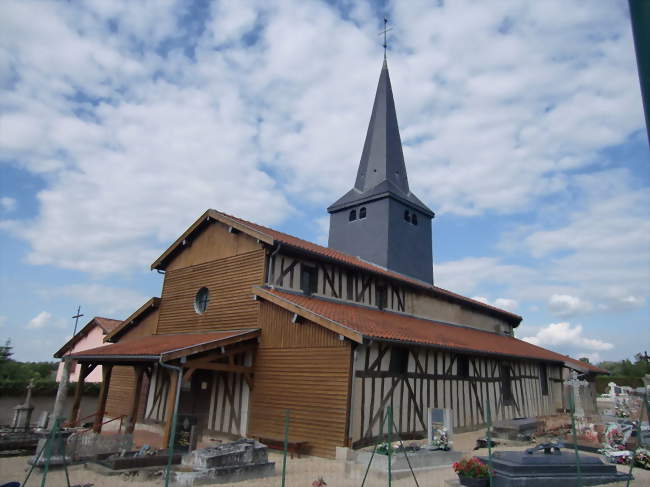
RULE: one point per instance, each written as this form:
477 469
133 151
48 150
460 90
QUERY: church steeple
369 220
382 169
382 157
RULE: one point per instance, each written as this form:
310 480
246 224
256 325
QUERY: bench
293 447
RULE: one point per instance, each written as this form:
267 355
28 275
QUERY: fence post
390 445
488 412
286 446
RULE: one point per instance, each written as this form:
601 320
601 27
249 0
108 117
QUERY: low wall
43 403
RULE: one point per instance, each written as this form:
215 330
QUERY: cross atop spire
386 29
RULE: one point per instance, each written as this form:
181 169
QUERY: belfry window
353 215
362 212
407 216
201 300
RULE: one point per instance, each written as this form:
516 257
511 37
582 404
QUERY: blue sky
521 122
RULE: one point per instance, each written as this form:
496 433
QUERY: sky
522 125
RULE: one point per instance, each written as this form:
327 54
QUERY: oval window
201 300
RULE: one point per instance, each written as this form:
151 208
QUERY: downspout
172 437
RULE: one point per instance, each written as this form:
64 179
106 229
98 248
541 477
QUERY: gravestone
440 429
43 419
227 463
519 429
23 412
553 469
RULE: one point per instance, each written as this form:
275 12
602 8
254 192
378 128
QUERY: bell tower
379 219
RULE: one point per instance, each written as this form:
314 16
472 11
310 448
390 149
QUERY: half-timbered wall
229 399
155 409
304 368
230 305
336 282
356 286
433 378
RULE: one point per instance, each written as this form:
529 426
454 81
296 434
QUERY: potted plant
472 472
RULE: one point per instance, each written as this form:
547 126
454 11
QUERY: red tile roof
273 236
107 324
153 347
385 325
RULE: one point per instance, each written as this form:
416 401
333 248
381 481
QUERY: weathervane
386 29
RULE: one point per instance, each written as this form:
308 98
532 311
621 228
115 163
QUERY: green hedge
42 387
621 380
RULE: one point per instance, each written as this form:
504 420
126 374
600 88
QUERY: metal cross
386 29
76 320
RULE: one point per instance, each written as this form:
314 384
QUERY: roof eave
142 311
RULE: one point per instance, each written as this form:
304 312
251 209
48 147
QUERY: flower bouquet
472 472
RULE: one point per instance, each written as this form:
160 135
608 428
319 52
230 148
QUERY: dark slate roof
382 170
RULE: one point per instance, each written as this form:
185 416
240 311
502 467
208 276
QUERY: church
252 322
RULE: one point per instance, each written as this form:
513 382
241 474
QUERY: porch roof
360 322
153 348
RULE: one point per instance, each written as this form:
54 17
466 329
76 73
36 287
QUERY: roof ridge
379 268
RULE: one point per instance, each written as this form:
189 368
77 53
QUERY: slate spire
382 169
382 158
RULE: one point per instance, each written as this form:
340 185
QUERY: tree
5 351
585 360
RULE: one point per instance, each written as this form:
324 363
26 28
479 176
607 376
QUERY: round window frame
201 303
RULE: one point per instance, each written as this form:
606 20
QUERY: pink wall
92 340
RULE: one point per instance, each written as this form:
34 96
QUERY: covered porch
205 376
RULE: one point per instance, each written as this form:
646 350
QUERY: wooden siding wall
333 280
231 305
214 242
305 368
121 390
432 380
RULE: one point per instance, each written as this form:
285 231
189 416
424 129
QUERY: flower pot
473 481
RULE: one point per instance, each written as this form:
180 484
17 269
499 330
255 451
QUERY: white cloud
110 302
566 337
7 204
506 303
565 305
42 320
152 117
468 274
503 303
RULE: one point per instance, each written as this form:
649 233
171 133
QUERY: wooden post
169 408
135 403
62 392
74 413
107 369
